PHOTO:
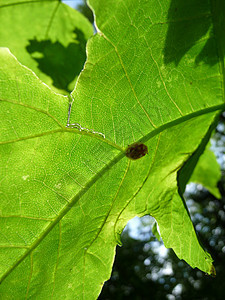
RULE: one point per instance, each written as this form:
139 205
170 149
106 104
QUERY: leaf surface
68 192
49 37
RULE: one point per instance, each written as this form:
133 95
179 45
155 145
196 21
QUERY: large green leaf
67 192
47 36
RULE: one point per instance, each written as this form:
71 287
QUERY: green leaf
67 192
207 172
155 231
47 36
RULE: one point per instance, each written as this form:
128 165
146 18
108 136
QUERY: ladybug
136 151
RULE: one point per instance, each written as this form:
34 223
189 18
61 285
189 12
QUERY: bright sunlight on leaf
153 77
48 37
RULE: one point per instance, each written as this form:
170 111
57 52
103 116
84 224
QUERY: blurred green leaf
49 37
85 10
67 192
207 172
155 231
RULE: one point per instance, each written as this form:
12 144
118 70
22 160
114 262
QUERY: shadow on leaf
62 64
189 23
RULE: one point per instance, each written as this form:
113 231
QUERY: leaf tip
212 271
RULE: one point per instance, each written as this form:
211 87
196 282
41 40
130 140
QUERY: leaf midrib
107 167
107 141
